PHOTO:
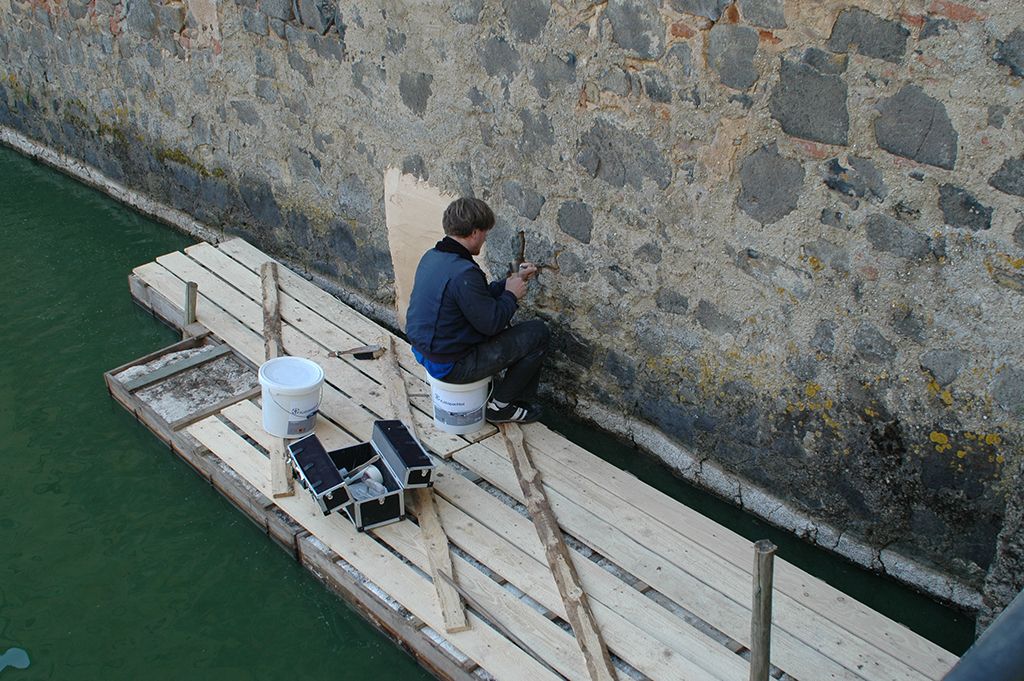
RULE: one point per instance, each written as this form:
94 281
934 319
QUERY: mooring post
191 294
761 615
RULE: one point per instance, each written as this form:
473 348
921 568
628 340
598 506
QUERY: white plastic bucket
292 388
459 408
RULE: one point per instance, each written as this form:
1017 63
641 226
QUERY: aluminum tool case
405 456
374 511
315 470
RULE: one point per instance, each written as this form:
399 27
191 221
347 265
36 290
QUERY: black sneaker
515 412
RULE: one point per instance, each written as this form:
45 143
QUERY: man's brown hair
464 215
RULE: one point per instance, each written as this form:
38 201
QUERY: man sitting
458 324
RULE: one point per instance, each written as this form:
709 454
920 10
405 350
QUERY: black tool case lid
315 465
396 444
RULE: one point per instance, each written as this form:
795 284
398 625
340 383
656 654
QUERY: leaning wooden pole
435 541
273 347
761 615
577 607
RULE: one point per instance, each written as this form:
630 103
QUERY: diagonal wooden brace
280 474
577 607
435 541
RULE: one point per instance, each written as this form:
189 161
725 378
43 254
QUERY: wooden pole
435 541
273 347
577 607
191 295
761 615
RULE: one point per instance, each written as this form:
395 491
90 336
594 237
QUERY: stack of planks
669 589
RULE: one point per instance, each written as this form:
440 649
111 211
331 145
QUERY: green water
116 561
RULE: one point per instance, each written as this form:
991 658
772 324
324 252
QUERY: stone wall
787 235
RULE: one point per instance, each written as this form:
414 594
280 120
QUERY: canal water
115 560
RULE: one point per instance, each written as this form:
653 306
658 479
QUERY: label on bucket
460 418
304 426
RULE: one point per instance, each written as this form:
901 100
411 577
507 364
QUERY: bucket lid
291 373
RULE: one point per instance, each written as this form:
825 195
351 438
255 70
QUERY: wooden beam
280 475
577 607
761 614
435 541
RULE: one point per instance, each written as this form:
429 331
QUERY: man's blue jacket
452 307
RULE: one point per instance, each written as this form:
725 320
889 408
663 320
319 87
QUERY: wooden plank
307 294
186 344
322 326
639 559
499 657
294 333
588 634
273 347
643 634
206 355
432 531
690 651
844 645
689 527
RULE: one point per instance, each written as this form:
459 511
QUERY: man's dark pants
520 349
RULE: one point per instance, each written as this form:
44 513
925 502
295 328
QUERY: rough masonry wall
789 235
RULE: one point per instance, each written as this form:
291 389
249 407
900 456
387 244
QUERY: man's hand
517 285
527 271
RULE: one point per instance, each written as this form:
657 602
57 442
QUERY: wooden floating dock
669 589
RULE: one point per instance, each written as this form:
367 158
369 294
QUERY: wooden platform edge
322 563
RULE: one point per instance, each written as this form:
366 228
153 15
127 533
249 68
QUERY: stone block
616 81
354 199
718 323
300 66
934 27
621 367
810 104
859 181
916 126
620 157
731 51
869 35
1010 177
576 219
712 9
329 46
526 201
892 236
764 13
961 209
171 18
770 185
907 323
650 253
141 19
943 365
1008 390
527 18
553 71
259 199
362 71
317 15
871 345
255 22
538 135
415 91
395 41
823 62
1018 235
823 339
277 9
78 9
265 64
682 55
1010 52
499 58
657 86
278 26
246 112
266 90
414 165
672 301
637 26
466 11
997 115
